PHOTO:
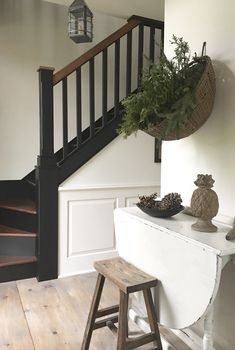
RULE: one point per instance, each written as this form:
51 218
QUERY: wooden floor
52 315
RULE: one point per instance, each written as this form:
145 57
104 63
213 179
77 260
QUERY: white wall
124 8
33 33
126 162
112 179
211 149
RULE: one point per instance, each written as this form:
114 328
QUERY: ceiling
123 8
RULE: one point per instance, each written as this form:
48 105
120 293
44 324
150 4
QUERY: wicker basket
204 96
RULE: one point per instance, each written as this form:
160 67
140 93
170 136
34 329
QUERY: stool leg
122 321
93 311
152 316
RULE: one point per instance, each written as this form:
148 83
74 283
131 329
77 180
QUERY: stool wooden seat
128 279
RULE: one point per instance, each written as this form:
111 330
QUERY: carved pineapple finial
204 204
204 181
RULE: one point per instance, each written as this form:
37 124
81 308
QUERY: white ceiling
123 8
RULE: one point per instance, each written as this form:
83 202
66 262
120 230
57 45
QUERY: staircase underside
18 237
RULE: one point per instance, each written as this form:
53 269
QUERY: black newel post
47 182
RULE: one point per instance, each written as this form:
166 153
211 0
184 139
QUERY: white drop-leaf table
187 263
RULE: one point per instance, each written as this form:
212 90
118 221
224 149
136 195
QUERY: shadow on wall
219 124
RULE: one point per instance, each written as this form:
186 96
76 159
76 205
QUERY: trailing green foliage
166 92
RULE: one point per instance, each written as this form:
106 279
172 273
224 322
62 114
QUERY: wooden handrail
148 21
70 68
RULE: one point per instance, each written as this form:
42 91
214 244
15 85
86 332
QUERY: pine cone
148 201
171 200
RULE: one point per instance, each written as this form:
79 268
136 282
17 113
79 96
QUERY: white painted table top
180 226
187 263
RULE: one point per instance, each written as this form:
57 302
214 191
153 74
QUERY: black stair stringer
89 149
85 137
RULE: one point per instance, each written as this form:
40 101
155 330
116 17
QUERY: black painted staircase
29 207
18 231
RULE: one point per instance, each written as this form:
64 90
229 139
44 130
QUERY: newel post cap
45 68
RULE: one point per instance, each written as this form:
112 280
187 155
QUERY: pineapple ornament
204 204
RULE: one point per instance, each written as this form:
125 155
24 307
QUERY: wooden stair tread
16 260
20 205
125 275
11 231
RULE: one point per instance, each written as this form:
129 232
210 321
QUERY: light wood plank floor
52 315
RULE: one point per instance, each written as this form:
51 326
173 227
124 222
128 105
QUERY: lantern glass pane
89 28
80 27
76 26
72 24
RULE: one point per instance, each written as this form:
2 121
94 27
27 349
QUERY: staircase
29 207
18 231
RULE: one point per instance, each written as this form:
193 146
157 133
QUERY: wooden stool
128 279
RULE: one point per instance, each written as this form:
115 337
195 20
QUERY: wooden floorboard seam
25 316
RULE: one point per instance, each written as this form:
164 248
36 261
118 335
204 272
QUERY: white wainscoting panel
85 218
86 228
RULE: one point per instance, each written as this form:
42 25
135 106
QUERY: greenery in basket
166 92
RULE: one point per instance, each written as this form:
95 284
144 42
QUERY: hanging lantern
80 22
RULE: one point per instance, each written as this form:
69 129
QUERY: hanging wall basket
204 101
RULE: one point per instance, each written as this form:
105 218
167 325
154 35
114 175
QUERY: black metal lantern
80 22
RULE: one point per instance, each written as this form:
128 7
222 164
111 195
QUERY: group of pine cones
170 201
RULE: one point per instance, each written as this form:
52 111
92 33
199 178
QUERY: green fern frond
166 92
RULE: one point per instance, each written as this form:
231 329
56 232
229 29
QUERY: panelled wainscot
187 263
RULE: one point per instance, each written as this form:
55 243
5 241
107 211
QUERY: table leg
208 330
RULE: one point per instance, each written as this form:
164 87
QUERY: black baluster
140 53
92 96
65 117
104 85
158 143
128 63
79 106
152 43
116 78
157 151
